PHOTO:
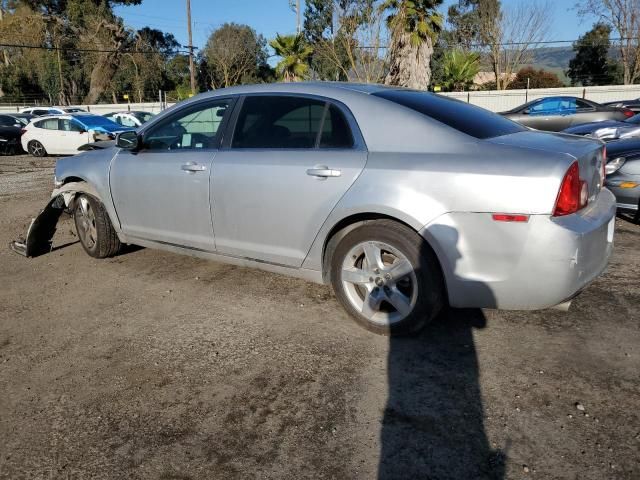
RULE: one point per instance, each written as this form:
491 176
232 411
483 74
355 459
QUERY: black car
558 113
623 174
590 127
633 105
10 132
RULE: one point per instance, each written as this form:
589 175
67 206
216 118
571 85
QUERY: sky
269 17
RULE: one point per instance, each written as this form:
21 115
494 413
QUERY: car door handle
323 172
193 167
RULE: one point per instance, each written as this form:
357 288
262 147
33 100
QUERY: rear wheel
96 233
387 277
36 149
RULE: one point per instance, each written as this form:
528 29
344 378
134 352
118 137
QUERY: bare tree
510 33
355 47
623 16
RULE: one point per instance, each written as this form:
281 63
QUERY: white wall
494 100
102 108
500 100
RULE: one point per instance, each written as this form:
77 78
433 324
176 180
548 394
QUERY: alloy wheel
379 282
87 223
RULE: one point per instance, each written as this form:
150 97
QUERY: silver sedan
404 201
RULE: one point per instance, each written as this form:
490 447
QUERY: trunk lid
587 152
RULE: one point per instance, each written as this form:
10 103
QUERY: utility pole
191 68
298 15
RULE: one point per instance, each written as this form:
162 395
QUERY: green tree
294 53
459 69
532 78
414 26
591 64
235 54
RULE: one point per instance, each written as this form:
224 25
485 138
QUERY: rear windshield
466 118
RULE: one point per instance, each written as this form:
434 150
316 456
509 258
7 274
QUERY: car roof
310 88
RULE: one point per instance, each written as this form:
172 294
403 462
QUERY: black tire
36 149
95 231
429 291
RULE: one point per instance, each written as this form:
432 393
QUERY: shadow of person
433 425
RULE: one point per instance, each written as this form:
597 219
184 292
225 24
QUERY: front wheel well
347 224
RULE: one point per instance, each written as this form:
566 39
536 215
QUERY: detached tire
36 149
95 231
387 277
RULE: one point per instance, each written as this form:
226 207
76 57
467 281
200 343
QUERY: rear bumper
522 266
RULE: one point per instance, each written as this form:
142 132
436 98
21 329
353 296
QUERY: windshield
73 110
96 121
635 120
142 116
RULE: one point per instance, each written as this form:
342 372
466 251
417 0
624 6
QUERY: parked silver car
402 200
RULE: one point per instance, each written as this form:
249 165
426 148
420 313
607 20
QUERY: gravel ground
153 365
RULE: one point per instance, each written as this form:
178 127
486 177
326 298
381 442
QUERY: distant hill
553 59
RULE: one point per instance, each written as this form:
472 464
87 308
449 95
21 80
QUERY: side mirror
127 140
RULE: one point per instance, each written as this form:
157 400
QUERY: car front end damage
39 238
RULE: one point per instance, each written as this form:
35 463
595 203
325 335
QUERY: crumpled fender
39 238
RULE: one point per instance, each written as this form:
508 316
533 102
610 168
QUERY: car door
274 183
161 192
47 133
72 135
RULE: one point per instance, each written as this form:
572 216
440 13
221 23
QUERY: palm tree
460 68
414 27
295 54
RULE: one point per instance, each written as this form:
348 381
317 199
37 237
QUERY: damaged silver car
402 200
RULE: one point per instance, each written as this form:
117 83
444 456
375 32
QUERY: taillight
23 131
628 113
573 194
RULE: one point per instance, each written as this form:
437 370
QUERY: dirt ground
154 365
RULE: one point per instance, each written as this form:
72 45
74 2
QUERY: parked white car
130 118
42 111
64 134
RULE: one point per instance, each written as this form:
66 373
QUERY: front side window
6 121
290 122
69 125
195 129
547 106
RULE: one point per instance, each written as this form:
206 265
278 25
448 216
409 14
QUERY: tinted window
582 105
546 106
50 124
335 130
6 121
40 112
278 122
469 119
195 128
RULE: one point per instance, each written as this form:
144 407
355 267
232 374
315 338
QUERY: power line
89 50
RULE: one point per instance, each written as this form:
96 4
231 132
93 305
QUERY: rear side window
50 124
474 121
290 122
